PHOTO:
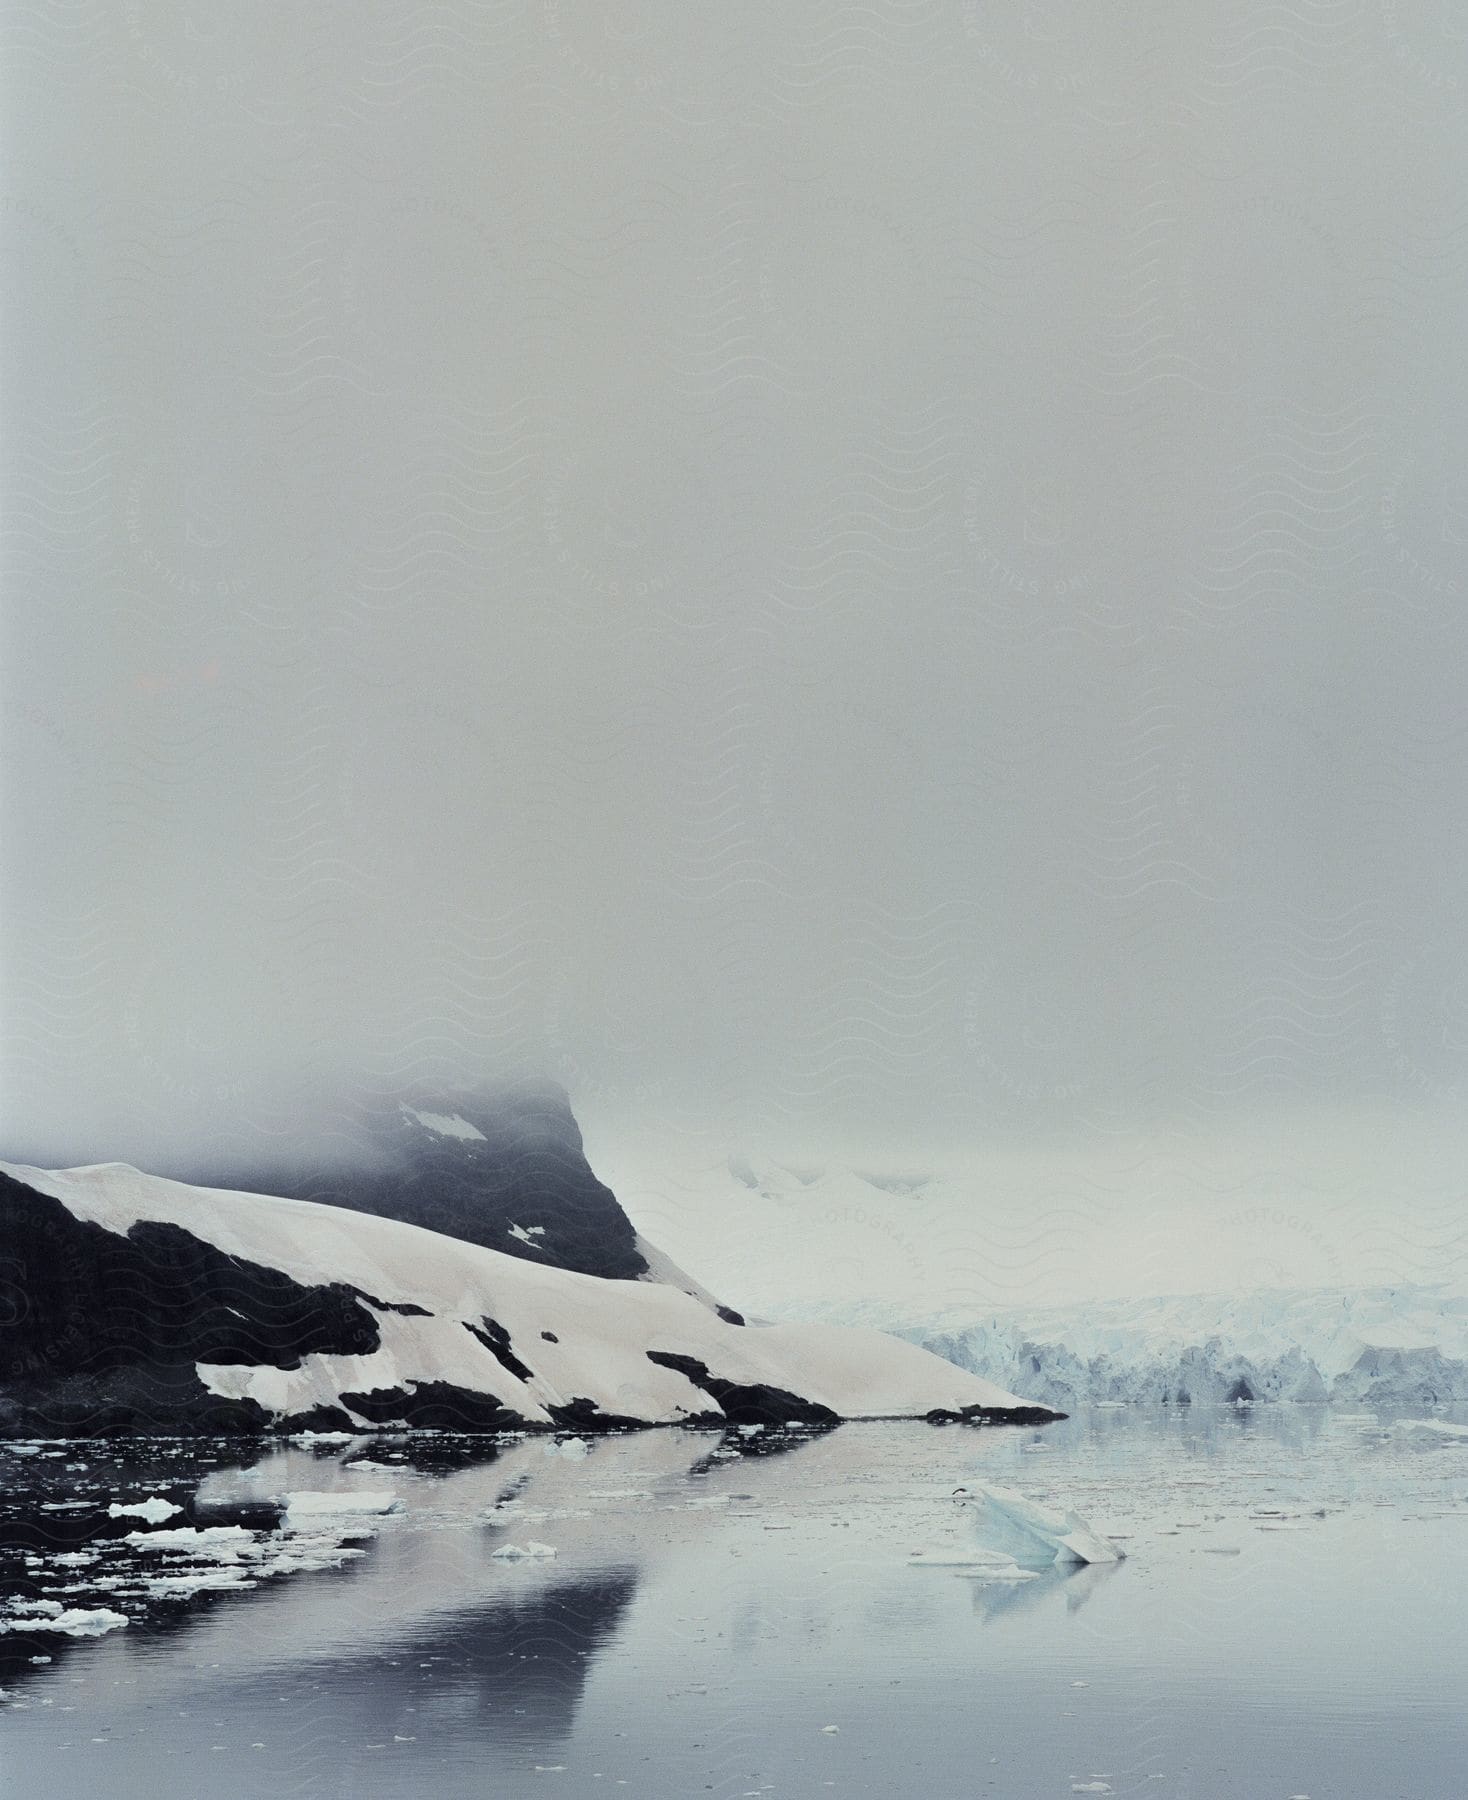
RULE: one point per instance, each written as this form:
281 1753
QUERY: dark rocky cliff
501 1166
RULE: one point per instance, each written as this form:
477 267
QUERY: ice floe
311 1505
79 1622
154 1509
218 1543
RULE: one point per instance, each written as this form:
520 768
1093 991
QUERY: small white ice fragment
830 1730
154 1509
517 1552
310 1505
75 1622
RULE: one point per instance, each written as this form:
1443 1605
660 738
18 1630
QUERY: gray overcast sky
861 580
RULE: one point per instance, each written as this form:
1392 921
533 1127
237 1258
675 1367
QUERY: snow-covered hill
132 1302
1377 1346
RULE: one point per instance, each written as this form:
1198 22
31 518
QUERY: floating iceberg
518 1552
1036 1535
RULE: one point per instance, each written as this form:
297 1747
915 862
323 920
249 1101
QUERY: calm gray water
1289 1621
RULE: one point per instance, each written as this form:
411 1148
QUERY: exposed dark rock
82 1298
749 1403
525 1168
406 1307
550 1337
729 1316
132 1401
434 1406
319 1418
585 1415
988 1415
496 1340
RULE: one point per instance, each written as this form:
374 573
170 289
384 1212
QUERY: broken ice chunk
219 1543
75 1622
308 1505
154 1509
1037 1535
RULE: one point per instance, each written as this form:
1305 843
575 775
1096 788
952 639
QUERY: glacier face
930 1255
1387 1346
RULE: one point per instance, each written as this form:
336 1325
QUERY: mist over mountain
500 1164
924 627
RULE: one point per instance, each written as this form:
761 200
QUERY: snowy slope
1385 1346
961 1234
364 1319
